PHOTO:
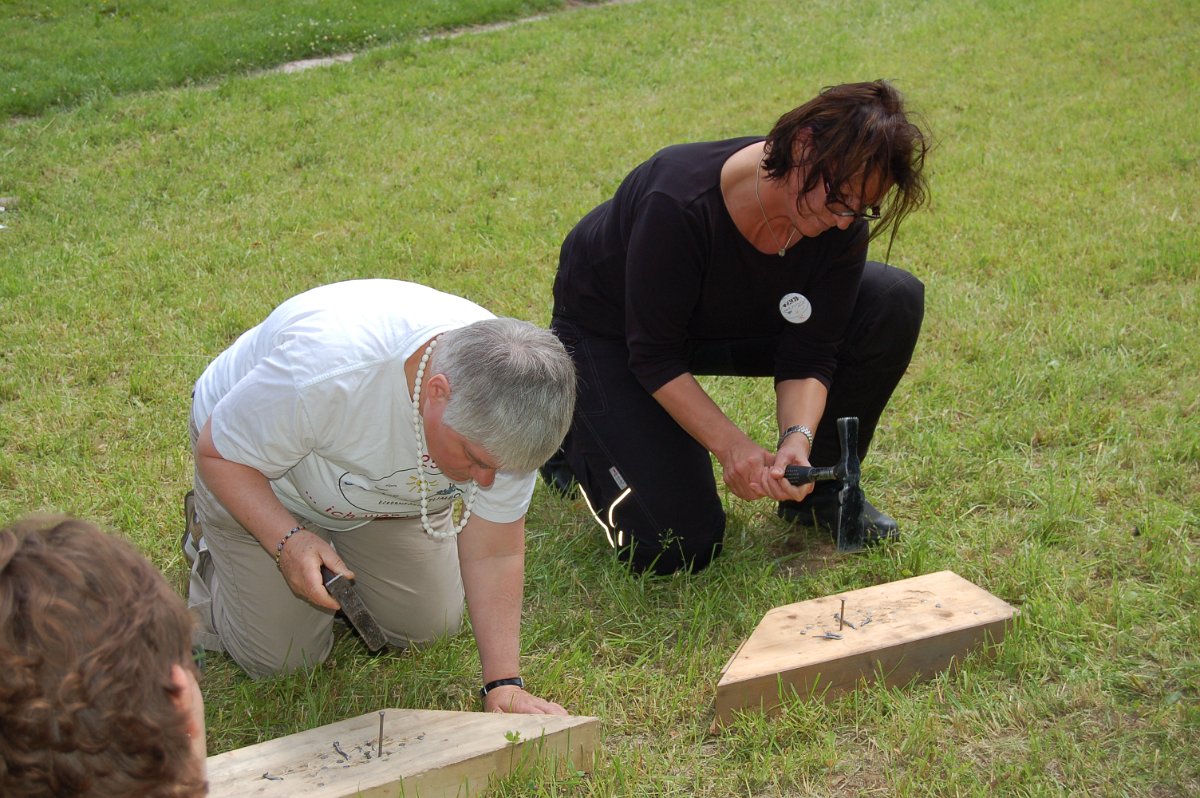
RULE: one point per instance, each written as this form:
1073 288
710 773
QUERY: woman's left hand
510 698
775 485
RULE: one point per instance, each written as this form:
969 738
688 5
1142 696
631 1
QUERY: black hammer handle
801 475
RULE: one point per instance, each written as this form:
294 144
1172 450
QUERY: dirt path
454 33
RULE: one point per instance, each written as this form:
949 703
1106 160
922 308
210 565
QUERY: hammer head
851 528
355 611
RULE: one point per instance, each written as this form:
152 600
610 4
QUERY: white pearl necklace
419 429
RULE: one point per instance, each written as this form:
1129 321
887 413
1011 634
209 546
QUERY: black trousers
651 486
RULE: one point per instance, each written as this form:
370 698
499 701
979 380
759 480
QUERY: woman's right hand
743 462
743 467
247 494
300 563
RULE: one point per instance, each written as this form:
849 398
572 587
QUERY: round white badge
795 308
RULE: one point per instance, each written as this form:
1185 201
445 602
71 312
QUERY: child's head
98 692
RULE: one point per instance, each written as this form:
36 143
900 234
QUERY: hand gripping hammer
851 526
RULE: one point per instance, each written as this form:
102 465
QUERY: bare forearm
245 492
743 462
800 402
494 596
694 410
491 558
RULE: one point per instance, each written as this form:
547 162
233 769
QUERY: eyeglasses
839 208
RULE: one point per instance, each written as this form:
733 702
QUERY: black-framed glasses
838 207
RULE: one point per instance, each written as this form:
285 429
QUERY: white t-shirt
315 397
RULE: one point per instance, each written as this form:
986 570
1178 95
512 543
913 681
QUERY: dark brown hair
855 130
89 631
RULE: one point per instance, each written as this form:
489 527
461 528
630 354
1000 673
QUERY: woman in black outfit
743 257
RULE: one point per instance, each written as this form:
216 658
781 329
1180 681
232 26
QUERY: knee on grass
421 631
669 553
262 661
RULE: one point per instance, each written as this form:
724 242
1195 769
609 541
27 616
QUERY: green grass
61 52
1045 443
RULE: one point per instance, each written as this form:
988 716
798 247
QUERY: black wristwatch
490 686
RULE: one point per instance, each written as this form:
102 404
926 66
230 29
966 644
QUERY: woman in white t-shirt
340 432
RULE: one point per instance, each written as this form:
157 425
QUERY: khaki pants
408 580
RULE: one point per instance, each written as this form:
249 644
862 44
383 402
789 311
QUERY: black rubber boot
557 475
819 510
190 540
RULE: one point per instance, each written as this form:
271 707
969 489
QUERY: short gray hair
512 389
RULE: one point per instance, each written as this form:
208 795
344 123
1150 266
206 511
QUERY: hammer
353 608
851 527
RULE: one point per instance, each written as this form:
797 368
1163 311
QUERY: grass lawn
1044 445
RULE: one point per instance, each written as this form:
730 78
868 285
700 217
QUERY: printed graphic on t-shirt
397 494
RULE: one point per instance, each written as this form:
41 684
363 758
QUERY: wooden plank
903 630
426 753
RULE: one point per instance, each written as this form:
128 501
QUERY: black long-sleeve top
663 266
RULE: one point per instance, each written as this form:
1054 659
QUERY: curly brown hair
854 131
89 632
